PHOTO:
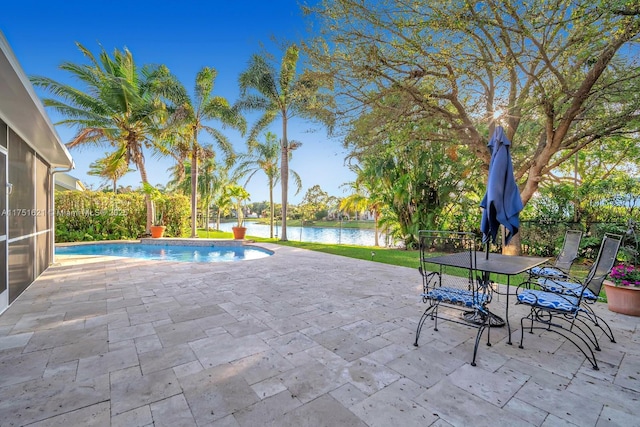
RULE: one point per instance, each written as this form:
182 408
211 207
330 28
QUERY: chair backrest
604 262
459 272
569 251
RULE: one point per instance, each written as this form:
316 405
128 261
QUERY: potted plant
157 228
623 290
238 195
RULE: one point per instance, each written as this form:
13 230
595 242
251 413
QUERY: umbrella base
478 318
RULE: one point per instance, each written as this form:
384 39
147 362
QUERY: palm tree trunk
284 176
375 222
271 207
147 197
205 214
194 188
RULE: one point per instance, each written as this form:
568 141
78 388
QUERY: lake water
330 235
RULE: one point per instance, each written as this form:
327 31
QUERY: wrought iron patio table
508 265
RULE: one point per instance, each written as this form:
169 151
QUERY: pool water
168 252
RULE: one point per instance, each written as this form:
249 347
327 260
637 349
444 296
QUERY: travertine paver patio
297 339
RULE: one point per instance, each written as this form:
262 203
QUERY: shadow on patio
299 338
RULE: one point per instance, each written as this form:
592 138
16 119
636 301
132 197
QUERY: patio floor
297 339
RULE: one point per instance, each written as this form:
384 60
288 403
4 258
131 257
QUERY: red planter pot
157 231
239 232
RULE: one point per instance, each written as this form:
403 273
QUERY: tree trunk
284 176
194 189
515 244
375 219
147 197
206 215
271 207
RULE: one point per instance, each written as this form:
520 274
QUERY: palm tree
111 167
366 194
263 156
190 117
118 106
208 182
281 94
221 198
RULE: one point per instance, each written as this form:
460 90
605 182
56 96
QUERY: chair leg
599 322
486 324
522 330
591 337
421 322
557 328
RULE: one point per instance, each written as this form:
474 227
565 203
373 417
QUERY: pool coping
162 241
167 241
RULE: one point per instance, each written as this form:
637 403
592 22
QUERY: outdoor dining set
458 286
457 273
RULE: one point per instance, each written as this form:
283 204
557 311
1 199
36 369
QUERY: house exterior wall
30 151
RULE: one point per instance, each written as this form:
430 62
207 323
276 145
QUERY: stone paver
297 339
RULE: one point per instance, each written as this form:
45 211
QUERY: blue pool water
168 252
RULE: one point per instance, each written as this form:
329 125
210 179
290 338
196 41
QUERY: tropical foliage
118 105
282 94
555 75
417 88
92 215
111 167
189 118
265 157
237 195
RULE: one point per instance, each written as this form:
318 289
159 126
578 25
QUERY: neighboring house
66 182
30 154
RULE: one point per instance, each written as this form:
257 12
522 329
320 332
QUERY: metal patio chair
564 307
453 293
601 268
564 260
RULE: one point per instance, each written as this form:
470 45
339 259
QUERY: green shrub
95 215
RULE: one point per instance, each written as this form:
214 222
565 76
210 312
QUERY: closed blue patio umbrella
502 203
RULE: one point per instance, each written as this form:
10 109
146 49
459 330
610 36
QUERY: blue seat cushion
548 271
550 300
566 288
456 296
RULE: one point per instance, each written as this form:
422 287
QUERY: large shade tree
561 75
191 117
282 93
116 105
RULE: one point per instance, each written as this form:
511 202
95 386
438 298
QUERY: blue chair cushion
547 271
456 296
566 288
550 300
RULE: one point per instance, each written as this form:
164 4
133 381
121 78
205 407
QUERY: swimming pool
169 252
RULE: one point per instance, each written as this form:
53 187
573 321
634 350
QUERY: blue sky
185 36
